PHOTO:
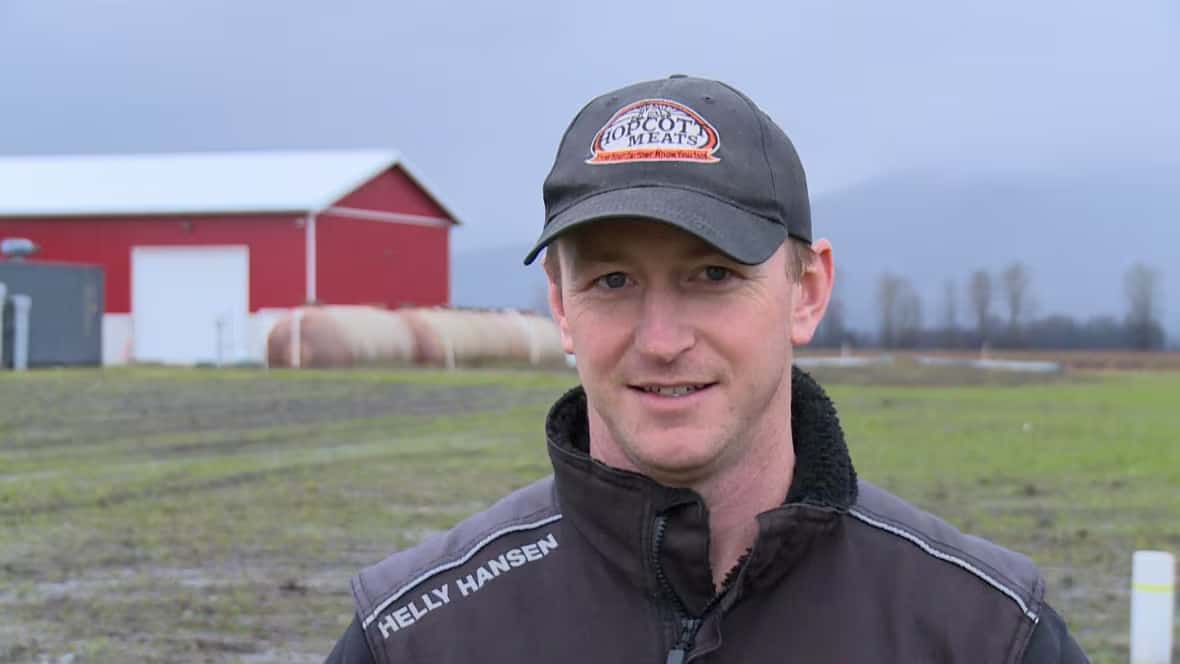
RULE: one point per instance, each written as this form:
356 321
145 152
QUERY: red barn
203 251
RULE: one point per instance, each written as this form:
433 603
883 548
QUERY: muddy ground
156 515
209 516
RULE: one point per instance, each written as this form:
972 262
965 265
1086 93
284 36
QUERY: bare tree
950 305
979 297
833 329
909 316
1141 285
950 314
1015 280
889 291
900 311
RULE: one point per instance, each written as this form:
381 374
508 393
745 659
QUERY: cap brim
746 238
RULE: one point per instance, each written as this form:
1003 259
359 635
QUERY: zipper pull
688 632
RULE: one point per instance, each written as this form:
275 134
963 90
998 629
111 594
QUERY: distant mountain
1077 232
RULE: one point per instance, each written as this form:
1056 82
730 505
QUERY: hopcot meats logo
655 130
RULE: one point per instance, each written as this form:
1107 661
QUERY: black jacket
601 565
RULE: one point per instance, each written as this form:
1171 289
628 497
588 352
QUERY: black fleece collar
616 510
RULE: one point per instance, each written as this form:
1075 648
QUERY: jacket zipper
688 624
688 633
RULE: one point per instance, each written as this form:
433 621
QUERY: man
703 505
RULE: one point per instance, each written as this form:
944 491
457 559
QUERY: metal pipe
20 338
296 340
310 267
3 299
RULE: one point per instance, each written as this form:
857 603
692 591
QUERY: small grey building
65 319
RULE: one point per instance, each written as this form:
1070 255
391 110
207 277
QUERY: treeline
999 313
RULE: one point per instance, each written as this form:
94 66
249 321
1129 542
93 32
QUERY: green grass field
206 515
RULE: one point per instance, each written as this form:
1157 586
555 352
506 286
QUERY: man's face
684 354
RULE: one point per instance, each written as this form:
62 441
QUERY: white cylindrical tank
457 337
339 336
343 336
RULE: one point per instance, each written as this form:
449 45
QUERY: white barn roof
189 183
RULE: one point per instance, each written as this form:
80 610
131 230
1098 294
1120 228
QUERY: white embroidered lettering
548 544
498 565
410 613
415 610
467 585
483 576
430 602
387 625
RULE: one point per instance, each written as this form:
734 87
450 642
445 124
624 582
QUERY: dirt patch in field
217 516
43 415
905 372
1071 360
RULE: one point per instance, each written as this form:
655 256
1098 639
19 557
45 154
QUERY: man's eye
613 280
716 273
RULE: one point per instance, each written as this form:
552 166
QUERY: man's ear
556 302
812 293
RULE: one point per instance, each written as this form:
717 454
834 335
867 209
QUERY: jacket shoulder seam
936 550
464 553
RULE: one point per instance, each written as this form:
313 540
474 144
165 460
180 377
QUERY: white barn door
190 304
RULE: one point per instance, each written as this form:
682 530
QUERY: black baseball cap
690 152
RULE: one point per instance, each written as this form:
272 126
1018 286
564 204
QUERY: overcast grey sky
476 95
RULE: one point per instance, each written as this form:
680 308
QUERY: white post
296 341
309 293
1153 575
3 295
219 324
449 351
534 352
20 338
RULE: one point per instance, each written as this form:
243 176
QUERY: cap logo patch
655 130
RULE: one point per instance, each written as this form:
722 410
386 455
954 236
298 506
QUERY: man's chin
674 459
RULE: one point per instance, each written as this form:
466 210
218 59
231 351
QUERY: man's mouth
676 390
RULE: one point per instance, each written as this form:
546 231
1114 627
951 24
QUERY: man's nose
662 332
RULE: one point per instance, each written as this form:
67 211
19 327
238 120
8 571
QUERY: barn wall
277 246
118 347
393 191
381 263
